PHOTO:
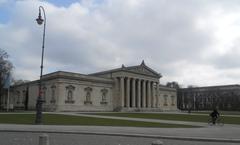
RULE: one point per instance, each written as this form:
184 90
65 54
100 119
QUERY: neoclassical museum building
134 88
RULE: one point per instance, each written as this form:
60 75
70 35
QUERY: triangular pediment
143 69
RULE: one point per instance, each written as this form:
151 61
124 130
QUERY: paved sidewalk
213 133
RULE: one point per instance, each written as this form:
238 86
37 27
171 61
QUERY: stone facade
135 88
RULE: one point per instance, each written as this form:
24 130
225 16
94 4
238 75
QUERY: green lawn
56 119
175 117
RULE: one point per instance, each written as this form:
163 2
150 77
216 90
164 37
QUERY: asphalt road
25 138
211 132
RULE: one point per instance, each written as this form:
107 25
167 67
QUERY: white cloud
203 75
193 42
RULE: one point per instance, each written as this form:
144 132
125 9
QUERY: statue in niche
44 89
88 95
69 98
104 96
53 100
70 95
165 100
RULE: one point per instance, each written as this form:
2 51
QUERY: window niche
104 96
70 93
24 92
165 100
44 93
53 93
88 91
18 97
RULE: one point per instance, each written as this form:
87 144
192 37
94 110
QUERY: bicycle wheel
220 122
210 122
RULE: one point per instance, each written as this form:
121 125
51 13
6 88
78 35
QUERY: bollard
157 142
43 139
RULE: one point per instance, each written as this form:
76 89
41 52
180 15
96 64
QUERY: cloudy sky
193 42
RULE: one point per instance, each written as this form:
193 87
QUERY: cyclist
214 115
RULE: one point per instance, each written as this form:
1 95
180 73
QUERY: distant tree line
196 99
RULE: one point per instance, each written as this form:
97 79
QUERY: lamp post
39 99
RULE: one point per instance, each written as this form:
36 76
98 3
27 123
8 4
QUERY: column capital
120 77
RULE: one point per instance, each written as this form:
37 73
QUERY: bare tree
173 85
19 82
5 69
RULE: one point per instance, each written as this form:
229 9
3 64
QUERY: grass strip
57 119
174 117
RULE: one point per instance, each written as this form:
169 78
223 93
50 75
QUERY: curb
134 135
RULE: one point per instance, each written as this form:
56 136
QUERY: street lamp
39 99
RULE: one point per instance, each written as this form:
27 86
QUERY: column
139 93
148 94
133 93
122 91
153 96
128 93
144 94
116 93
157 95
183 101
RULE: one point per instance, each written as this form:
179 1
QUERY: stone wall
167 99
63 91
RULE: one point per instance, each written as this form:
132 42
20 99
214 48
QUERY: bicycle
219 121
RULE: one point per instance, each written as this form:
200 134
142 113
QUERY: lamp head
39 19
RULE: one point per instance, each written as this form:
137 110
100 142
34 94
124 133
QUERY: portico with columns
137 92
137 87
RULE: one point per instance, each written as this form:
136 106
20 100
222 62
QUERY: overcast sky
193 42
